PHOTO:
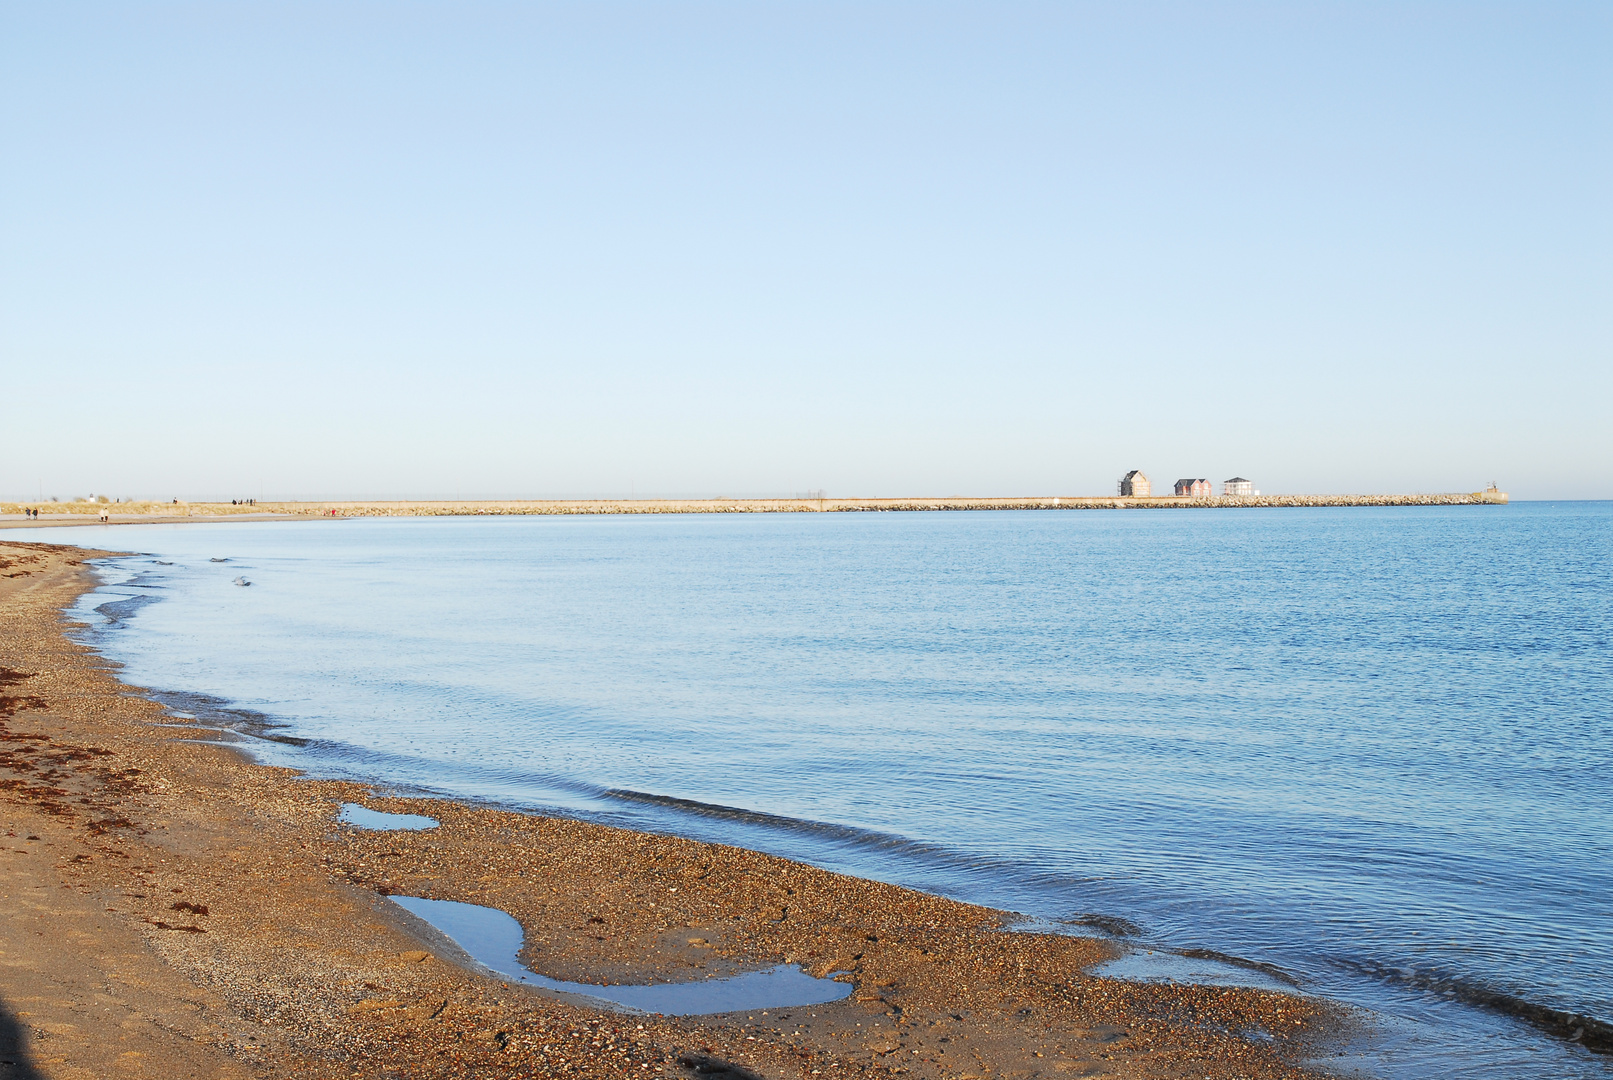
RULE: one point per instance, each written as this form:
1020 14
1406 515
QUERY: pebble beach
174 909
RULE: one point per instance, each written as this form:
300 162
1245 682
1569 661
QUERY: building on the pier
1197 489
1237 486
1136 485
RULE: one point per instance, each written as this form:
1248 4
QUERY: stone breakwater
82 513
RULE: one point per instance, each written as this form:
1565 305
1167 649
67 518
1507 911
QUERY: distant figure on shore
1135 485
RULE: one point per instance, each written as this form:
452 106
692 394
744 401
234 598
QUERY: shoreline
165 513
224 893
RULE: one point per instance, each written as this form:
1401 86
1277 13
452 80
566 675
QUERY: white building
1238 486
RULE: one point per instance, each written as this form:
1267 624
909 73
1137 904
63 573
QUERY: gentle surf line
1584 1030
1588 1031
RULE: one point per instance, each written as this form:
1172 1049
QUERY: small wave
118 612
1588 1031
217 712
289 740
848 834
1261 966
1113 925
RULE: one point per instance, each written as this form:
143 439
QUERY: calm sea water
1373 747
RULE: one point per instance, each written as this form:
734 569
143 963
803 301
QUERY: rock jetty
76 513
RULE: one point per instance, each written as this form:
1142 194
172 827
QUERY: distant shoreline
158 513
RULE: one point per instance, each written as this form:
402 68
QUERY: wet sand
171 909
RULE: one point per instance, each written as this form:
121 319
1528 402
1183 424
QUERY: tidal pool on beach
493 939
380 821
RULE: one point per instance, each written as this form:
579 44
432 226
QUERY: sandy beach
171 909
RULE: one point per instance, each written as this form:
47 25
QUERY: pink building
1197 489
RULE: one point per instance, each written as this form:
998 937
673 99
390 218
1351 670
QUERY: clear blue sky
400 249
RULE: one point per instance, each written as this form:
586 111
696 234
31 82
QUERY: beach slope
168 908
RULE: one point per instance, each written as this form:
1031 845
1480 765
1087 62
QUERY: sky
348 250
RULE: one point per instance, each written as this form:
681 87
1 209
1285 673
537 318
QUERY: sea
1363 752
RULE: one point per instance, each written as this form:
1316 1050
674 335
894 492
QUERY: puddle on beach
493 939
354 814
